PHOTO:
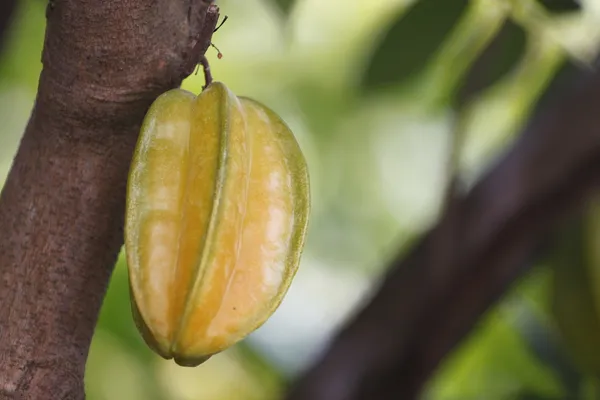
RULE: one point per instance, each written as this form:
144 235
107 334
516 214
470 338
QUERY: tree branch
62 207
427 304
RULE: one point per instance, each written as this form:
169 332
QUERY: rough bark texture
62 207
434 295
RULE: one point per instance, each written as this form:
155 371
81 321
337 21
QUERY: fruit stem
207 74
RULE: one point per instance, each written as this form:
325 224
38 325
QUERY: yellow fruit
217 211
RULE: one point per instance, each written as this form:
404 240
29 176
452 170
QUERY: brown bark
62 207
429 302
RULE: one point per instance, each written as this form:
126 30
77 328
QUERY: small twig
219 54
221 24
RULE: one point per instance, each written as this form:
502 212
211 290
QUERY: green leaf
411 41
573 298
285 6
525 395
543 341
498 59
496 361
562 80
561 6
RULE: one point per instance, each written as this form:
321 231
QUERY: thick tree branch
62 207
428 303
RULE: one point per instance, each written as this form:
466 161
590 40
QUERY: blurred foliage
285 5
372 91
561 5
498 59
397 58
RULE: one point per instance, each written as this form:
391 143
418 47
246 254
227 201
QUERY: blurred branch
433 296
62 207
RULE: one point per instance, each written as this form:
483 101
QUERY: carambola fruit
216 217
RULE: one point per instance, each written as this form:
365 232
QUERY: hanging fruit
217 211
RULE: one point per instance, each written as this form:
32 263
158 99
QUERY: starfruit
216 217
